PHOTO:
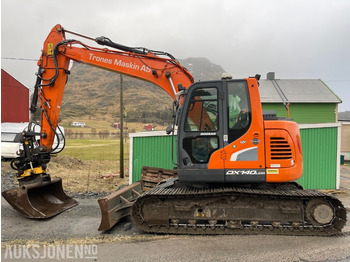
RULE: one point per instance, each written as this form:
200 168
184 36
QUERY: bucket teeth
40 200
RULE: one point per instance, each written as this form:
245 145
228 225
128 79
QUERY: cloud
296 39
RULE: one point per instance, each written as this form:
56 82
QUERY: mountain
202 69
94 93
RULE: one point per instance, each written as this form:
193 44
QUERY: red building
150 127
14 100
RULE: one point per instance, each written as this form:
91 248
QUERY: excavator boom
165 72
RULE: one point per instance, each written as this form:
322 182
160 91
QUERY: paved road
78 222
217 248
230 248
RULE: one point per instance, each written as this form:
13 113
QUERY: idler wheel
319 212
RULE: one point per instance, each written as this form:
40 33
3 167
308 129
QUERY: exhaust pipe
40 200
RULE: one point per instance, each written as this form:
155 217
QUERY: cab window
202 113
239 114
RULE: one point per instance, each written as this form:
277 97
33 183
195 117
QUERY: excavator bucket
40 200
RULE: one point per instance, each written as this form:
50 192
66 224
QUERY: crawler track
232 210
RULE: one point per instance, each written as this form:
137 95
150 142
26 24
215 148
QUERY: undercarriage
238 210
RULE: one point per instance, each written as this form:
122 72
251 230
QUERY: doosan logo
245 172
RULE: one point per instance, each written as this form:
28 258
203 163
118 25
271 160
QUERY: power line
17 58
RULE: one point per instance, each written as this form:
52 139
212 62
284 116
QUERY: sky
296 39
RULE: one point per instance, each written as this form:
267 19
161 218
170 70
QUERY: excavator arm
38 196
159 68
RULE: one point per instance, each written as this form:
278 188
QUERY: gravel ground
124 242
83 220
8 180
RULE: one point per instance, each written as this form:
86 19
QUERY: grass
95 149
90 165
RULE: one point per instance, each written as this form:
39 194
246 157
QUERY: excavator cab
218 132
224 137
38 196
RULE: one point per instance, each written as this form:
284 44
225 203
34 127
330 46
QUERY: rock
127 226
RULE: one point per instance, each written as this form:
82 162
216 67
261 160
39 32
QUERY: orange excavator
235 163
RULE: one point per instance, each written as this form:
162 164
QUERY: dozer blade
40 200
118 205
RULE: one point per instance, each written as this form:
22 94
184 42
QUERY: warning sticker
272 171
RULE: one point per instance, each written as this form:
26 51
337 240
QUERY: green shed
320 145
150 149
321 155
310 100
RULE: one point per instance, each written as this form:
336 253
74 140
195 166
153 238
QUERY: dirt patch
87 240
89 178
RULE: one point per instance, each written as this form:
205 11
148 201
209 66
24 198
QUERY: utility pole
121 165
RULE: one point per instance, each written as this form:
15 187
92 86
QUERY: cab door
244 132
200 133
